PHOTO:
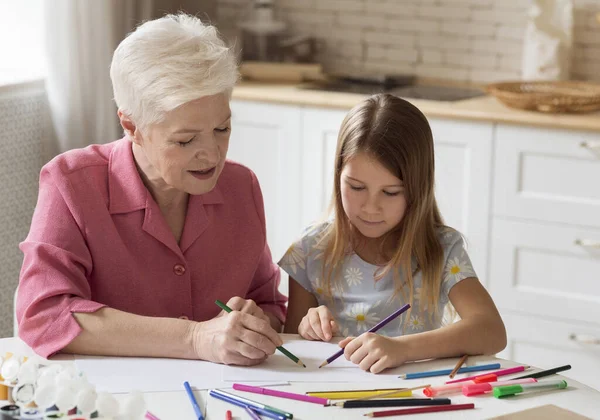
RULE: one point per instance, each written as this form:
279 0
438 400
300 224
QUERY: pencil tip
323 364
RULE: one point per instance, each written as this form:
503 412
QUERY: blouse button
183 317
179 269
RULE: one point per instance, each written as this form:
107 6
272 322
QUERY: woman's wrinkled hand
247 306
243 337
318 324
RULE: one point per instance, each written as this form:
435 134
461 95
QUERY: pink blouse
98 239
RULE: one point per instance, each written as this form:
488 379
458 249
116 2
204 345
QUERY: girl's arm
306 318
300 301
480 331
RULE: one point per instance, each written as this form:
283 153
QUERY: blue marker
444 372
197 409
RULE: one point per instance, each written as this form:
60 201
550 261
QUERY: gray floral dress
360 302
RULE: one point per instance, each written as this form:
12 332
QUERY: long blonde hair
397 134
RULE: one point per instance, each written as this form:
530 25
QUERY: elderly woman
133 241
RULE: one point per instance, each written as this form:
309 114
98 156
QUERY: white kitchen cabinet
549 343
267 139
541 269
548 175
463 156
319 141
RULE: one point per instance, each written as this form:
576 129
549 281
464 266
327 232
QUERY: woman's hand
373 352
318 324
247 306
235 338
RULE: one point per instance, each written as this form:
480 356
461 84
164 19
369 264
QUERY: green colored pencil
280 348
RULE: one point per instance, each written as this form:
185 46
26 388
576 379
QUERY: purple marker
373 329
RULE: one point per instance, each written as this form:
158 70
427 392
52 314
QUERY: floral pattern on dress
293 259
353 276
362 315
457 269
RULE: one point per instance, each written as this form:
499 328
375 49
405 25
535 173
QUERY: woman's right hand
235 338
318 324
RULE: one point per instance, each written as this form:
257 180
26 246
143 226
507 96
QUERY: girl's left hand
373 352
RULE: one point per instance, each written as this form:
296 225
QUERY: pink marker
281 394
432 391
501 372
469 390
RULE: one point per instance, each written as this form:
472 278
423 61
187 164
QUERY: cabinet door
319 140
549 343
545 269
463 155
266 138
549 175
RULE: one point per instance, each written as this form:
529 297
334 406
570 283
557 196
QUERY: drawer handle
585 339
593 146
588 243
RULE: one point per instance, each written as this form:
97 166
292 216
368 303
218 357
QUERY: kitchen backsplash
465 40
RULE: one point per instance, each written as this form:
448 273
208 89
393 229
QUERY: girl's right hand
318 324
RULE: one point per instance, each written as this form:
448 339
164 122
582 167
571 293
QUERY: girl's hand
318 324
373 352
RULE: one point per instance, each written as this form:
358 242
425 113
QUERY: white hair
168 62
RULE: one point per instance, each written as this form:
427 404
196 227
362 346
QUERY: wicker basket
548 96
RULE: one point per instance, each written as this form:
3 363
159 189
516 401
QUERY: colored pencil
252 413
320 393
458 366
544 373
375 328
444 372
242 402
197 410
150 416
379 394
287 353
418 410
343 395
502 372
281 394
402 402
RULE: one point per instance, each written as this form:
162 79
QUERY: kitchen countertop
483 108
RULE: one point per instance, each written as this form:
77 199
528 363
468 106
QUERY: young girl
387 245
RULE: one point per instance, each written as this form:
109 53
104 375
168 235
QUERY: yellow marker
343 395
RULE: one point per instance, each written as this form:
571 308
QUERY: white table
176 406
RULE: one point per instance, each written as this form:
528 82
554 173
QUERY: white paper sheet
125 374
279 368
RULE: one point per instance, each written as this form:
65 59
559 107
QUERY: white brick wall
466 40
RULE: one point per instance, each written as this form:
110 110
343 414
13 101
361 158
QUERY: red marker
228 415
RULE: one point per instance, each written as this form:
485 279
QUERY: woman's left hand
373 352
247 306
